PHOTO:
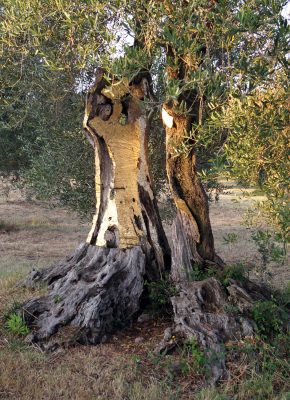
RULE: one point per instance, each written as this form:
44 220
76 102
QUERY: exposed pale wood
125 200
101 284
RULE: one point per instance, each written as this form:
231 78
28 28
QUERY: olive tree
188 60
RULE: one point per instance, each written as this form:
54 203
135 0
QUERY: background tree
247 45
44 80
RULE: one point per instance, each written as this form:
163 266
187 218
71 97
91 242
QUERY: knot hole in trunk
111 237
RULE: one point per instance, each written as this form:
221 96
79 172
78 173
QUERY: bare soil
228 216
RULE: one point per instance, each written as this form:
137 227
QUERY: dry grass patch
125 370
78 373
14 268
7 227
120 369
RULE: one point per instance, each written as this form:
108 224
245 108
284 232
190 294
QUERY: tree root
97 290
94 290
201 312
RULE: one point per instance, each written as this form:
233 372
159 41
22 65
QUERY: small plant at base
185 367
282 296
199 358
160 293
155 358
236 272
198 274
230 238
13 309
232 309
57 299
16 325
269 318
269 251
136 359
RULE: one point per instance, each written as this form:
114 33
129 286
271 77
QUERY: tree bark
100 286
201 313
193 242
127 213
192 234
200 307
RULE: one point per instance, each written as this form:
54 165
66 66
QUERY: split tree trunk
200 307
127 213
100 286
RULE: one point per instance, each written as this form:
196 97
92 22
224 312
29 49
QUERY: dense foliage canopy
234 56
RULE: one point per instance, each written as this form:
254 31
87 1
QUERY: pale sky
286 11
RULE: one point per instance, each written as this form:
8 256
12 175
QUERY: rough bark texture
192 234
193 238
93 290
200 309
127 213
101 284
201 312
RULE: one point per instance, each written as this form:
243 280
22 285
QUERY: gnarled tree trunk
200 307
193 241
101 284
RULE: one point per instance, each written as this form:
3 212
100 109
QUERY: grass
7 227
120 369
124 370
16 268
17 224
76 375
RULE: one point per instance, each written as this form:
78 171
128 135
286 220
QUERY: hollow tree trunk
127 213
101 284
